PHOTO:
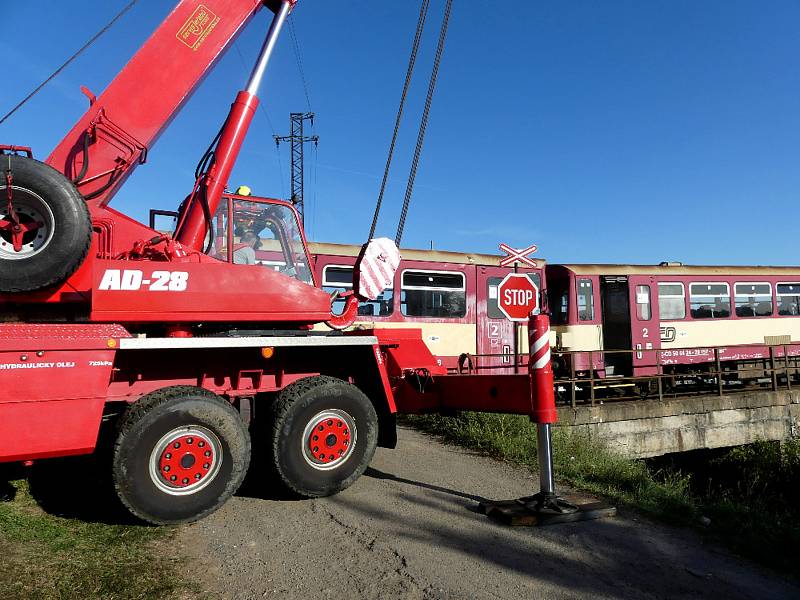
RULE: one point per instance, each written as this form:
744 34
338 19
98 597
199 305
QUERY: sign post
515 257
518 300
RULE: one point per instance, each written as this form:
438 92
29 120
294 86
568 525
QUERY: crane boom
115 133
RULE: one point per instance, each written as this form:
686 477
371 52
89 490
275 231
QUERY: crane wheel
46 231
180 453
324 435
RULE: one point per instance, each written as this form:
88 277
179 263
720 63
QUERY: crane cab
247 230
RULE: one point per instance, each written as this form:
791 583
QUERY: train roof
441 256
678 269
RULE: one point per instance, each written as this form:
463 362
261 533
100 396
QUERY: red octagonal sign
518 296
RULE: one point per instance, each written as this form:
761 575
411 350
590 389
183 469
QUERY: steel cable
423 13
424 123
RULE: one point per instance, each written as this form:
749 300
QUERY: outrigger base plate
543 509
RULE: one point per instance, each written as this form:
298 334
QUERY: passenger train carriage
451 296
608 321
672 318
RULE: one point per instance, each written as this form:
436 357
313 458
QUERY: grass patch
749 493
49 556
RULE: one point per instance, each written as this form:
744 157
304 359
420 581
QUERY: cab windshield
260 234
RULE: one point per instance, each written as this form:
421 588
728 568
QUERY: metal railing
717 370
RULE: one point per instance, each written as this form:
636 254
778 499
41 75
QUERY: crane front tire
324 435
181 452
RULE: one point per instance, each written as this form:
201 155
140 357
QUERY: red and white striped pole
544 414
543 401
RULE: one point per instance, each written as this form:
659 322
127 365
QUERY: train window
336 278
788 298
710 300
753 299
558 301
643 310
585 300
437 294
671 301
492 284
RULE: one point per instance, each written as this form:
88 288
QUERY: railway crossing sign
520 256
518 297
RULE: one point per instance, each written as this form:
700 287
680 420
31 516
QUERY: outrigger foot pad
543 509
548 504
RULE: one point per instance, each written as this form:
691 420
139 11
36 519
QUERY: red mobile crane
106 319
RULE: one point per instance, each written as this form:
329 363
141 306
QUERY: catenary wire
55 73
298 56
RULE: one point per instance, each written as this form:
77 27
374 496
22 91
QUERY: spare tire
55 232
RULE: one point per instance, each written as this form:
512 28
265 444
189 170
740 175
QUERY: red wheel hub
16 226
186 461
19 231
329 440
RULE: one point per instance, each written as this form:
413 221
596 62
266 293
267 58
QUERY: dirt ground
410 529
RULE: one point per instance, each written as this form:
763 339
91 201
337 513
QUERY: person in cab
245 253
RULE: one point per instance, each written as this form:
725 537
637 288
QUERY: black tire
54 252
296 409
203 423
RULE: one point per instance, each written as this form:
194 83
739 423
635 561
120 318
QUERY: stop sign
518 296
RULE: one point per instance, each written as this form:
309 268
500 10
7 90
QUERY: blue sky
614 131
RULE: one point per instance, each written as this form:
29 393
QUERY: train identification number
133 279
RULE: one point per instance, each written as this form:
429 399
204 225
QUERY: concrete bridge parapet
646 428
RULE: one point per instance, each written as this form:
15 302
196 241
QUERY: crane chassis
165 338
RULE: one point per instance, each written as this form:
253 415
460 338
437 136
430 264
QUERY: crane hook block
375 268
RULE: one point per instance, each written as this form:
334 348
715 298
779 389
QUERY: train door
616 324
645 330
495 332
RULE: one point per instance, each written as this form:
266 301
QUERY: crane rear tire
181 453
324 435
57 222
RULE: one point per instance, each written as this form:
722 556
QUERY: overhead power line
55 73
299 58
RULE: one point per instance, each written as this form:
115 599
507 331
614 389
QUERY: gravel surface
410 529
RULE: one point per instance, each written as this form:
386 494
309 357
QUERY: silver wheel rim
325 425
196 441
29 206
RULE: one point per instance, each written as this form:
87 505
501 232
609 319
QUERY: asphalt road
410 529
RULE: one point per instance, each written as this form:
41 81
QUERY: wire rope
423 13
424 122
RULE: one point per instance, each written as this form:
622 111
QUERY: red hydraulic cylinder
193 226
543 400
192 232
